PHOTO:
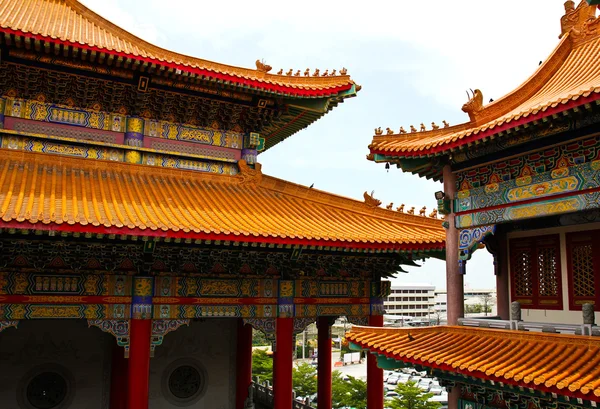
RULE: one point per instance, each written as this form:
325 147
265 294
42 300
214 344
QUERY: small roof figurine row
316 73
422 211
264 67
390 131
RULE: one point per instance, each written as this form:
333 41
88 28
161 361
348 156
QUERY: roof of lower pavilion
569 78
556 363
46 192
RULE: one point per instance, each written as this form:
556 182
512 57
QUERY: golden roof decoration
569 77
565 364
370 200
47 192
70 23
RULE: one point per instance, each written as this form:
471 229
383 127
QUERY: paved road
355 370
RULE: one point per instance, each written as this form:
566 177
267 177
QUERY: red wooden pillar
502 288
118 379
139 341
324 363
244 363
454 279
374 374
283 363
453 397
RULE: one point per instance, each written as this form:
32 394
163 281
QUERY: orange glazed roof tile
71 23
40 191
569 77
563 364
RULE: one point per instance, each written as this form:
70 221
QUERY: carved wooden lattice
548 271
583 252
535 272
583 271
521 269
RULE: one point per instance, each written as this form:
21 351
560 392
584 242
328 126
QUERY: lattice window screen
535 271
548 272
582 267
521 269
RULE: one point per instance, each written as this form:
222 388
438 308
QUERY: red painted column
140 328
454 279
324 363
502 287
283 363
118 379
374 374
244 363
453 397
139 363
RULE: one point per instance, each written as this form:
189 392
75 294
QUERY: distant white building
410 300
472 297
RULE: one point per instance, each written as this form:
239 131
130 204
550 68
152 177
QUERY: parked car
403 378
436 389
393 379
424 384
391 395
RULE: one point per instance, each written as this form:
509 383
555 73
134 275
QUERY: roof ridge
344 202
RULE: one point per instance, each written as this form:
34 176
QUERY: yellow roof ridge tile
355 205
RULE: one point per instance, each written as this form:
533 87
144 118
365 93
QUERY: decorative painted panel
166 161
60 114
579 202
201 287
583 263
15 283
558 181
190 133
530 165
314 288
535 272
27 144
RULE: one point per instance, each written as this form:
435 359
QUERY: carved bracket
300 324
364 321
117 328
160 328
264 325
8 324
469 240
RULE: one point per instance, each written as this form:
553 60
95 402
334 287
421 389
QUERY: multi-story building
410 300
472 298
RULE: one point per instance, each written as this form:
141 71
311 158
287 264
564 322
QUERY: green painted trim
389 364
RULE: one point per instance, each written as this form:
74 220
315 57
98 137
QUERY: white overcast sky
414 59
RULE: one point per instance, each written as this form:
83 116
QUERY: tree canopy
411 397
262 365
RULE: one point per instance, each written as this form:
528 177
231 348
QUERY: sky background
414 60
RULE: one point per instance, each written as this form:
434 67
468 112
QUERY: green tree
262 365
351 393
304 378
411 397
258 338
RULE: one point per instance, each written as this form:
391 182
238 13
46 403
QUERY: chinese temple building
140 241
521 177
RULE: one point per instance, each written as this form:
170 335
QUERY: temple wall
39 345
564 315
210 345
